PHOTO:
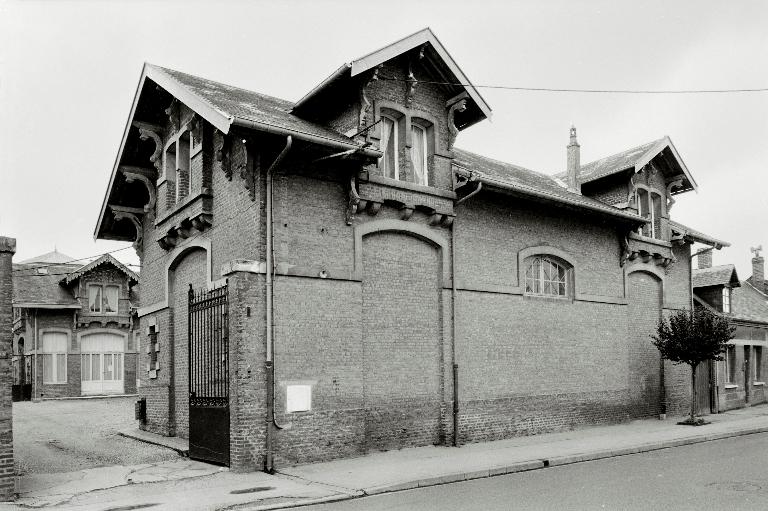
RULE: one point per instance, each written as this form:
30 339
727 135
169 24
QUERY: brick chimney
574 156
705 259
758 269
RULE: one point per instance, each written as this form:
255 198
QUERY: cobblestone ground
69 435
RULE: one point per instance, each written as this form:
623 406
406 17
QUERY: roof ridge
652 142
506 163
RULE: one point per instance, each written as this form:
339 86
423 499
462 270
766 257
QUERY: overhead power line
47 265
587 91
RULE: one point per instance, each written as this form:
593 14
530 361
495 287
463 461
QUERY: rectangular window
111 295
182 167
726 300
757 364
298 398
730 364
169 168
643 209
419 154
85 367
94 298
54 357
96 367
656 215
388 145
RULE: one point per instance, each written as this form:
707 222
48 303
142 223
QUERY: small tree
693 337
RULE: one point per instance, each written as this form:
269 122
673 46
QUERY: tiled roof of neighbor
105 259
54 257
751 281
749 304
243 104
532 183
715 276
33 284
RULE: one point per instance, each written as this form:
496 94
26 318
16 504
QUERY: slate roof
31 287
529 182
747 303
51 257
751 282
613 164
242 104
715 276
105 259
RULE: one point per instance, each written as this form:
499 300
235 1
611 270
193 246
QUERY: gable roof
105 259
225 106
438 57
693 235
715 276
751 281
54 257
35 289
534 184
749 304
633 159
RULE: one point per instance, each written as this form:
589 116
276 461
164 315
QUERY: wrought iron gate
208 375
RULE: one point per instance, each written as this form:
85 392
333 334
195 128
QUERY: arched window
419 154
547 276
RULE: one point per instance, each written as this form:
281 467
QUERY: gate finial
191 292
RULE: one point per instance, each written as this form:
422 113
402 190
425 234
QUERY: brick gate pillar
247 356
7 472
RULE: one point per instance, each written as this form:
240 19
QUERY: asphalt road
729 474
69 435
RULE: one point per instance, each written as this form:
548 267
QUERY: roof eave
336 75
217 118
532 192
664 143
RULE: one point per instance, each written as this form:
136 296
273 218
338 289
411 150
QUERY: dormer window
419 154
389 146
103 299
649 206
726 300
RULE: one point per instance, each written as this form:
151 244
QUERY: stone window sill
405 185
549 298
758 383
731 386
187 201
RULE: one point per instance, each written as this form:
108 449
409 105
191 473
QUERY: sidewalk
190 485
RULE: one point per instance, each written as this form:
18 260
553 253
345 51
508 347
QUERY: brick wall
7 471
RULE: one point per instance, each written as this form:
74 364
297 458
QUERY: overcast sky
69 70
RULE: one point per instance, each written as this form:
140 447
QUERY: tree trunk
693 394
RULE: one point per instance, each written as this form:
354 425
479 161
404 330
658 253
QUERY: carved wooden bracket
122 213
460 106
147 131
354 201
365 104
147 177
223 146
173 114
251 169
411 81
185 229
678 183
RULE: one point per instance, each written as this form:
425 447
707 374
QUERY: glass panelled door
101 364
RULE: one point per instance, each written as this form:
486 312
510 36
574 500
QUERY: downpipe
454 363
271 423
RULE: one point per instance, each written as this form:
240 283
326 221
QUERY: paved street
724 474
69 435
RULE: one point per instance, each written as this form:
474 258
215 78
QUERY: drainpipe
269 462
34 370
454 364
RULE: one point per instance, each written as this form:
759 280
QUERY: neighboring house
73 327
359 284
740 378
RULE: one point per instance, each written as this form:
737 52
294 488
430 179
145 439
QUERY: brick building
73 328
7 469
739 380
384 289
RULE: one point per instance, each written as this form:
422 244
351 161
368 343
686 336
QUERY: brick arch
410 228
651 270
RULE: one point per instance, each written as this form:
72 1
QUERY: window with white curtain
419 154
54 355
103 299
111 294
389 147
94 298
726 299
